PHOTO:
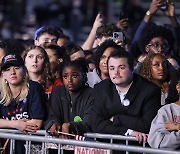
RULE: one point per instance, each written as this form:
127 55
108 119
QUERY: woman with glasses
150 37
156 39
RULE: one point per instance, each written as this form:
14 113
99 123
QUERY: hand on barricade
172 126
25 127
55 128
66 129
141 137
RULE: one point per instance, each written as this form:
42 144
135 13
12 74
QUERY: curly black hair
100 50
80 64
157 31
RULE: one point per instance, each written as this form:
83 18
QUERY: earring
6 81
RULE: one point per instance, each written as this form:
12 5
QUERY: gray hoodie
159 137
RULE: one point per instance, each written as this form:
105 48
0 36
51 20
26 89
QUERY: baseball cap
37 32
11 60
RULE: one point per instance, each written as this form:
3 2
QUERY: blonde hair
6 94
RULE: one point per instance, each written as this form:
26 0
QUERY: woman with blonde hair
21 103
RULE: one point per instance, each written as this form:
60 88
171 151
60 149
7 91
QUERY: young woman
102 53
70 104
56 56
22 101
165 128
156 69
38 67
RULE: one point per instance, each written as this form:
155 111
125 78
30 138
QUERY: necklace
17 95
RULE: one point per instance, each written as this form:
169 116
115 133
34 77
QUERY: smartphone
122 15
118 36
164 5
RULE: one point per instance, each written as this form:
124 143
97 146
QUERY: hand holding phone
118 36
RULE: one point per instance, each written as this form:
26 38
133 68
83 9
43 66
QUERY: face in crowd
119 71
72 78
159 68
46 39
103 61
53 59
34 61
13 75
157 45
78 54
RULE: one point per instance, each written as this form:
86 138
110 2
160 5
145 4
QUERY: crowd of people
114 85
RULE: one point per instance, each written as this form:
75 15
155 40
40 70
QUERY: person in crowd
156 69
153 38
22 102
74 51
56 57
46 34
3 50
63 40
38 66
70 103
125 103
165 127
101 71
172 60
105 32
156 39
88 44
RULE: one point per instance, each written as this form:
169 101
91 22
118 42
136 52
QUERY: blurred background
20 18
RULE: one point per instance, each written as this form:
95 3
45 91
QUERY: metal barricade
41 136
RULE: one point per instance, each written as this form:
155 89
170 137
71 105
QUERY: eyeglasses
156 46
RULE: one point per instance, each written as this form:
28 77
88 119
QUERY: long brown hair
46 74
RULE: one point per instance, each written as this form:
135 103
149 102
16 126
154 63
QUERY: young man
45 35
126 103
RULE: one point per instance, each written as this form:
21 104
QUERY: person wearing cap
22 101
45 35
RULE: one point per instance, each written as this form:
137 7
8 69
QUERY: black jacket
63 109
145 100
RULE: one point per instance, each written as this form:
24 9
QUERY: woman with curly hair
102 53
38 67
156 69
